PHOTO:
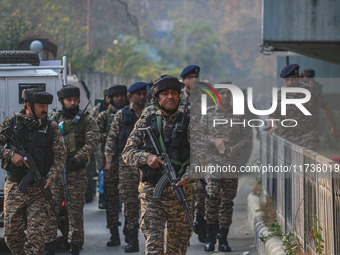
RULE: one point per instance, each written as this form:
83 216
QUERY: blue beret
289 70
137 86
192 69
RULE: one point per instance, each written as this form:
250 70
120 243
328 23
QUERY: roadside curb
273 246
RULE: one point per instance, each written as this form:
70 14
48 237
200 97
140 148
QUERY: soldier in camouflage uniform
156 212
80 141
224 146
189 75
107 115
94 113
152 104
100 107
118 99
306 132
121 128
42 139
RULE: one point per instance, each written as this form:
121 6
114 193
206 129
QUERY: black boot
102 201
125 231
211 237
114 239
74 249
201 228
133 245
50 248
222 240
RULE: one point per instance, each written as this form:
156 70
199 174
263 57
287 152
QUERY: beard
70 112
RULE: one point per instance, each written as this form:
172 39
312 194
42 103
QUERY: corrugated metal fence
308 189
97 82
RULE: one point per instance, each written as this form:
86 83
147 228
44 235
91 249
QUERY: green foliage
275 230
123 59
220 36
290 245
11 29
196 43
316 232
64 20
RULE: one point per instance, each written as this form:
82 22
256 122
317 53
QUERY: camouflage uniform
167 209
77 180
199 188
104 121
94 112
128 175
185 100
149 109
28 211
221 189
98 155
306 132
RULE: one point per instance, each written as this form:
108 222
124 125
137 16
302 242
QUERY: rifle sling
161 141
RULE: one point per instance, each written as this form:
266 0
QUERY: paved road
241 236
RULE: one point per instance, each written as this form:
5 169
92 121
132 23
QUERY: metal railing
302 193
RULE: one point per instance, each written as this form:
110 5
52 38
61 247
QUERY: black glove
70 164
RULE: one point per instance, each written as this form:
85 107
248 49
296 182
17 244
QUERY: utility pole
185 37
89 45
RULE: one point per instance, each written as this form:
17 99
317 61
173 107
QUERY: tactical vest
109 118
129 120
38 143
76 140
176 143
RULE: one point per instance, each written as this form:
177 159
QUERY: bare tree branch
133 19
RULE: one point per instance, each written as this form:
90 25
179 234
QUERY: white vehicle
15 77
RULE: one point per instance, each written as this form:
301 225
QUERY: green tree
124 59
194 44
11 29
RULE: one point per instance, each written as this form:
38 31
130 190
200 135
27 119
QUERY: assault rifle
32 174
168 176
64 178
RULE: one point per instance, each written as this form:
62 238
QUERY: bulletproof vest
129 120
76 140
109 118
37 142
176 144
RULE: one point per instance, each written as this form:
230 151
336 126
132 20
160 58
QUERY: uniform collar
173 116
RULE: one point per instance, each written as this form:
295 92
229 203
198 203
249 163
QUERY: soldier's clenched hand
154 161
48 183
18 160
219 143
273 130
232 152
182 183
